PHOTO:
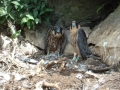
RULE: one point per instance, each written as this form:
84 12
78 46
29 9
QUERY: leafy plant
12 29
16 34
99 8
24 12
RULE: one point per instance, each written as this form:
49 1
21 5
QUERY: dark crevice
91 44
102 14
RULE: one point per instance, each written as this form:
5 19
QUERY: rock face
83 11
106 37
37 36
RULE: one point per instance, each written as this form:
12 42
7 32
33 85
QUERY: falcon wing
62 48
82 44
46 43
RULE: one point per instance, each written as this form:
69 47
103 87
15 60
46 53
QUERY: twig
42 84
92 74
62 66
51 63
14 44
46 84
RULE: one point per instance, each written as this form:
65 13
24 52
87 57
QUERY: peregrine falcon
78 40
55 40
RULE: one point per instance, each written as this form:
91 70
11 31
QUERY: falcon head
57 31
74 25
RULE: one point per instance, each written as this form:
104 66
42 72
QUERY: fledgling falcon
55 41
78 40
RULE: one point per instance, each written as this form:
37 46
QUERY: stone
27 49
106 37
37 36
5 42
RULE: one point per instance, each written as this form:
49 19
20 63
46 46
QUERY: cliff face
83 11
106 37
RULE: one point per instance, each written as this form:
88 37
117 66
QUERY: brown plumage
78 40
73 37
55 40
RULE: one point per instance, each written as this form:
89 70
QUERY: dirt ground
61 74
21 70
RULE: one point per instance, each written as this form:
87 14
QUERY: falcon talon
77 59
58 54
74 58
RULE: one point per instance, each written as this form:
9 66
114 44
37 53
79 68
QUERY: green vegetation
24 12
99 8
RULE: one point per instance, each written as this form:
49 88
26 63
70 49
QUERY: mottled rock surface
106 37
83 11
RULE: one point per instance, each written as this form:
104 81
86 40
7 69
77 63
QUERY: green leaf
35 13
32 23
26 12
21 6
16 3
2 19
30 17
42 12
37 7
37 20
100 7
47 20
24 20
16 6
49 10
40 20
9 8
35 1
28 24
16 34
2 11
43 5
11 15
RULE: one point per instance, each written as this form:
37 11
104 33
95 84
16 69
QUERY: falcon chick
55 40
78 40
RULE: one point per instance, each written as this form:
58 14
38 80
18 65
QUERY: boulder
106 37
37 36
